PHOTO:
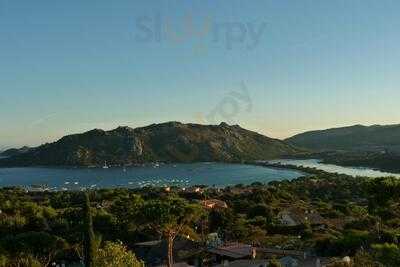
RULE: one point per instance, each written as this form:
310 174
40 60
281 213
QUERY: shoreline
156 182
184 175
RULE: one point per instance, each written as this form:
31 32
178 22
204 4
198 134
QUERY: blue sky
70 66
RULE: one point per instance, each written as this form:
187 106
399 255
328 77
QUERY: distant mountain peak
122 129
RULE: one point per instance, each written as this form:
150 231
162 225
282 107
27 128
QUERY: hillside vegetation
167 142
353 138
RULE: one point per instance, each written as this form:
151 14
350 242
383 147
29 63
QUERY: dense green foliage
116 255
172 217
385 161
274 263
361 218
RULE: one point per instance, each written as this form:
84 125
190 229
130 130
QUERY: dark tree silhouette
89 241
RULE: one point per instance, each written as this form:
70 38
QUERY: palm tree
171 218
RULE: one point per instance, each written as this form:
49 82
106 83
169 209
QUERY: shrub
116 255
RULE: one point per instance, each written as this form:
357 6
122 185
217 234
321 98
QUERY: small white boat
156 165
105 165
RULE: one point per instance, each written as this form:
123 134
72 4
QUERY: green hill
354 138
167 142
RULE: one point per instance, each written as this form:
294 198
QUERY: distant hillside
353 138
167 142
388 162
14 151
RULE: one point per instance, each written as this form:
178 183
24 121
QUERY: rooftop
245 263
234 251
214 204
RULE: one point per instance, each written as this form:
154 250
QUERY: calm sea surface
217 174
353 171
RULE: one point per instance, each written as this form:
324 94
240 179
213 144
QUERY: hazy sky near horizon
278 67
